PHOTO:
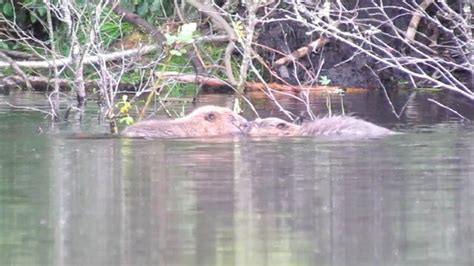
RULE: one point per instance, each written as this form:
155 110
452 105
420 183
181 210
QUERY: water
401 200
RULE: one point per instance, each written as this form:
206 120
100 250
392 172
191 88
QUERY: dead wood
249 85
300 52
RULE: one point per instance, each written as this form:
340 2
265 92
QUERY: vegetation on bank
156 49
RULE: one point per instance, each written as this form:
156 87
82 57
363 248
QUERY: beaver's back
154 129
343 126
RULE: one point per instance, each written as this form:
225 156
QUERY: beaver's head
272 127
216 121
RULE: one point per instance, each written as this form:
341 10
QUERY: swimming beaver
206 121
326 126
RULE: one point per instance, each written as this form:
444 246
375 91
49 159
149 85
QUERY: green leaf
170 39
3 45
189 27
155 6
186 33
142 9
324 80
41 11
176 52
8 9
127 120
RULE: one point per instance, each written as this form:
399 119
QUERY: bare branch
87 59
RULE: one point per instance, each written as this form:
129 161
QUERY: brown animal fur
344 126
206 121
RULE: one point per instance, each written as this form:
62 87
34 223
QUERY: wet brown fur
206 121
344 126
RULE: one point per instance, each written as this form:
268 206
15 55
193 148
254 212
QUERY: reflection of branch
394 111
448 108
87 60
29 108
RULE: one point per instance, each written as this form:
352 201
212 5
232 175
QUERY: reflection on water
402 200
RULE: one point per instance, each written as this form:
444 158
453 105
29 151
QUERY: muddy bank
387 33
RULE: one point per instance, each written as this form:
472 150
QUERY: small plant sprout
324 80
124 110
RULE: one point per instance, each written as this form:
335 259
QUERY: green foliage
113 28
185 36
29 11
124 110
27 14
3 44
132 76
180 90
24 12
7 9
149 9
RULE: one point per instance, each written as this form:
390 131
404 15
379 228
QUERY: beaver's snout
241 123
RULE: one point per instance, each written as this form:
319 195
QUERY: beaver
345 126
205 121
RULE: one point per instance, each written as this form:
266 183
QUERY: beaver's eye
211 117
282 126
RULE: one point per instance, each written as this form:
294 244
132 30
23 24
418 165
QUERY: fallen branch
448 108
300 52
18 55
87 60
249 85
39 83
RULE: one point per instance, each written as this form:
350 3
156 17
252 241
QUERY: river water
401 200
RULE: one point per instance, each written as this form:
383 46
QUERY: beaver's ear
282 126
211 117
